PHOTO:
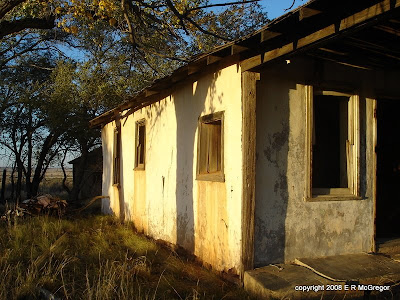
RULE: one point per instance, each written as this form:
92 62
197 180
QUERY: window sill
217 177
319 198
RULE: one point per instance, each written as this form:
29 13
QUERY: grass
96 257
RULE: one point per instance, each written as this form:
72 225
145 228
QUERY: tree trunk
3 187
28 184
12 184
50 140
19 184
64 181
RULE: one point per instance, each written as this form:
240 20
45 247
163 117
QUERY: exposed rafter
319 28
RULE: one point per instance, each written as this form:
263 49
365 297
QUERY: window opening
332 152
116 155
330 142
140 144
210 149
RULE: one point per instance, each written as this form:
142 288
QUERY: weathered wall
165 200
286 226
107 187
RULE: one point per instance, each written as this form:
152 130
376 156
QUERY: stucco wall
165 200
287 226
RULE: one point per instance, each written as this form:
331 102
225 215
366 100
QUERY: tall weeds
96 258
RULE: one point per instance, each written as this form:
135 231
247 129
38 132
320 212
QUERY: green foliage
98 258
167 29
47 99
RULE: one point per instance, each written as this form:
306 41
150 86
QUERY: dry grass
96 257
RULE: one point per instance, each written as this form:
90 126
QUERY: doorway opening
388 170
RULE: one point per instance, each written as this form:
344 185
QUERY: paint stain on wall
139 216
276 142
212 244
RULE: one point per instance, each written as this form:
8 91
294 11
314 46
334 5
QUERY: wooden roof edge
146 97
209 57
214 57
343 27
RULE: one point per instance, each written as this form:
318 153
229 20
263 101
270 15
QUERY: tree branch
30 48
7 6
13 45
206 31
294 1
8 27
64 185
220 4
183 17
128 21
178 14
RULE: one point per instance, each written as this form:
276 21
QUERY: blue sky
276 8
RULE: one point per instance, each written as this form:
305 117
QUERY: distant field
51 184
52 173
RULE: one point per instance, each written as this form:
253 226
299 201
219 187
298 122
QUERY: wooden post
3 187
249 80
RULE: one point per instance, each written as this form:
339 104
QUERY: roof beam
268 35
197 66
307 12
193 69
333 51
212 59
345 24
150 92
179 74
235 49
342 62
357 42
388 29
375 50
317 36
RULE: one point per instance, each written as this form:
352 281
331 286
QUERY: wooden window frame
353 167
140 166
117 156
219 175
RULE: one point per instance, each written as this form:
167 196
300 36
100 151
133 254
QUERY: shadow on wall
271 170
190 105
107 170
119 192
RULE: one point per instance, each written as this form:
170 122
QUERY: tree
84 90
24 123
12 22
47 100
152 27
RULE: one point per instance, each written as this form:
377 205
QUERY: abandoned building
280 145
90 183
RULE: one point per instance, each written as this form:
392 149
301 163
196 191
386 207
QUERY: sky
274 8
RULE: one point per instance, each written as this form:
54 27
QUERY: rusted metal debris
44 204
